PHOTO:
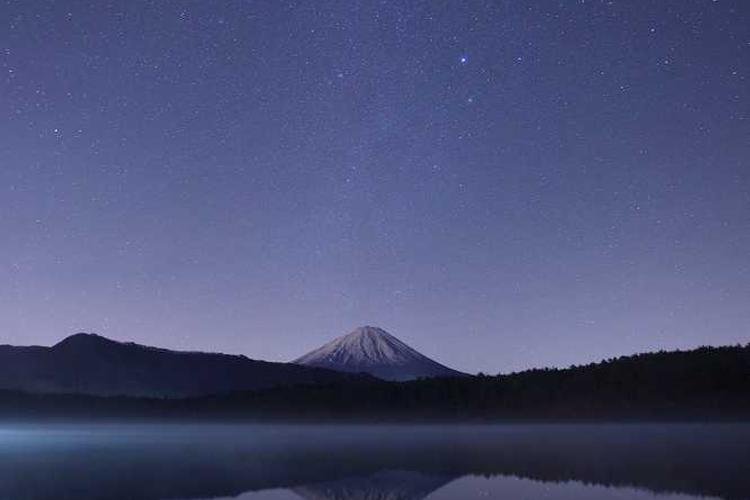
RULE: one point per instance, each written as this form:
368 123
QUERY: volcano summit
372 350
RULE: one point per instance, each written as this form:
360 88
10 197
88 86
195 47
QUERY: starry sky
500 184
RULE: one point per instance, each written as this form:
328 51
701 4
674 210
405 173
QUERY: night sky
500 184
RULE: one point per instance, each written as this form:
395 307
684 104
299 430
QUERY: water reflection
382 485
368 462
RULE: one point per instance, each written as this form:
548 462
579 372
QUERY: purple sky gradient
502 185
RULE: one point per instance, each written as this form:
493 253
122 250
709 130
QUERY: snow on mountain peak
373 350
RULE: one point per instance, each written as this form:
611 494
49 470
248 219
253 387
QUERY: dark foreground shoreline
706 384
328 404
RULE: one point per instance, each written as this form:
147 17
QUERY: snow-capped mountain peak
373 350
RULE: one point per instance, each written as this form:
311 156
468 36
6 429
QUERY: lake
394 462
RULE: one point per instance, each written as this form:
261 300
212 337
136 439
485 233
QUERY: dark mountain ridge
709 383
705 383
91 364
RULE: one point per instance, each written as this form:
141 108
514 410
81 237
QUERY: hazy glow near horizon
500 185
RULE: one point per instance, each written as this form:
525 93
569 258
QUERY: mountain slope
91 364
372 350
382 485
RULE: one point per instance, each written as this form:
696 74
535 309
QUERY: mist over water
153 461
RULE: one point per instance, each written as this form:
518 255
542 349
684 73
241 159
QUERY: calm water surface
282 462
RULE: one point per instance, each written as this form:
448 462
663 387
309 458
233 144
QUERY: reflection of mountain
152 462
383 485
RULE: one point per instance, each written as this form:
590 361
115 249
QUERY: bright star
464 59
